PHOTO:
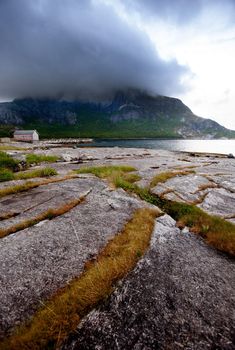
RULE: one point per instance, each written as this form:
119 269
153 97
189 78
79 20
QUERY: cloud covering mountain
76 49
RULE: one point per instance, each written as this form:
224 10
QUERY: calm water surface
210 146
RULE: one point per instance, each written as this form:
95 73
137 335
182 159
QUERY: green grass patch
7 162
44 172
113 173
6 175
12 148
39 158
105 171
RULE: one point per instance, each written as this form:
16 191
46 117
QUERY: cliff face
129 114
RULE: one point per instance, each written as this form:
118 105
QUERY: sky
88 49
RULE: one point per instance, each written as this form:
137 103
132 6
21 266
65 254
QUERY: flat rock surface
187 187
35 262
219 202
181 295
31 203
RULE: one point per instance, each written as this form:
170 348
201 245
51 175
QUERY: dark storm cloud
75 49
179 11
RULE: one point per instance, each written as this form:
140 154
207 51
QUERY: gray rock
180 296
35 262
187 187
68 157
219 202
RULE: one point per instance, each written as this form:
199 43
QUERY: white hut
26 135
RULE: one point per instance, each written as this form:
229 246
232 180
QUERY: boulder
67 157
230 155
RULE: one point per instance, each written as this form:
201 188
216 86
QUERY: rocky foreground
181 295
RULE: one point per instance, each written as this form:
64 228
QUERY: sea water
208 146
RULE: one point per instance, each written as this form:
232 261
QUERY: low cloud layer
77 49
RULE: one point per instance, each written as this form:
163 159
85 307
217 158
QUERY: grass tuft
7 162
6 175
61 315
113 173
44 172
39 158
105 171
8 215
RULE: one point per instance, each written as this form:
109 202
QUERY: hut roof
24 132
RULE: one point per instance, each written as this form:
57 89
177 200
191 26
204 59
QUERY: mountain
128 115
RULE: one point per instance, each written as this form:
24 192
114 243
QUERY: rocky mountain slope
128 114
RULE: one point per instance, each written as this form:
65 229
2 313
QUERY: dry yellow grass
12 148
183 167
49 214
205 187
29 185
163 177
61 315
9 215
